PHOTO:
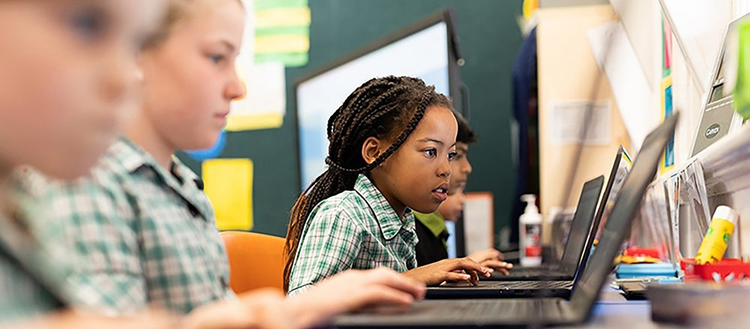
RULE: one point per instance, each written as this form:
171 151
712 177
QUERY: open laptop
582 222
620 170
557 281
579 242
541 311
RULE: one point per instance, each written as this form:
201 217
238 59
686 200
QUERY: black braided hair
388 108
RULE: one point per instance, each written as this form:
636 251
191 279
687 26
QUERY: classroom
374 163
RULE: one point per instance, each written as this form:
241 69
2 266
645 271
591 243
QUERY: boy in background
431 228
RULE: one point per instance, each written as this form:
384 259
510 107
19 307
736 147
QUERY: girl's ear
139 68
371 149
138 74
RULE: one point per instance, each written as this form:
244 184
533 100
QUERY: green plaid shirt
139 235
353 230
23 296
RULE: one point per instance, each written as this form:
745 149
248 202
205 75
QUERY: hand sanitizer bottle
530 237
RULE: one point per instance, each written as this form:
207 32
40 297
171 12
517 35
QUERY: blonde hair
177 11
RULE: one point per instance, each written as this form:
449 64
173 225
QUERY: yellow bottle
715 242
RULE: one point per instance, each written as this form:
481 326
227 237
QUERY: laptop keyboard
537 285
529 273
489 309
468 312
513 285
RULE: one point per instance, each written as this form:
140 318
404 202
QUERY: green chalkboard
489 39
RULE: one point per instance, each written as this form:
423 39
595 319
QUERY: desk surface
614 311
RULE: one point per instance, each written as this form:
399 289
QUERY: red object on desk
636 251
728 269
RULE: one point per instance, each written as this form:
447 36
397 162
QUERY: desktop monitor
426 50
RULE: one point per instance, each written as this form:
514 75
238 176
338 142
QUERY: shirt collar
130 155
434 222
133 158
389 221
179 178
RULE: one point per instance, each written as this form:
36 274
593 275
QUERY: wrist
306 313
413 274
215 315
192 320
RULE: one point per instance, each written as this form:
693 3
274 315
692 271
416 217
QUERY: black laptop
579 242
582 223
541 311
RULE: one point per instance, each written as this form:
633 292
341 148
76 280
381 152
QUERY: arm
73 320
348 291
262 308
353 290
329 245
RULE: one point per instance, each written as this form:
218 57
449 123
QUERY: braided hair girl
390 147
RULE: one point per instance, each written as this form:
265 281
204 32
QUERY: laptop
541 311
584 217
620 170
556 281
578 244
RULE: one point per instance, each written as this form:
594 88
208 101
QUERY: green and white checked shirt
21 295
139 235
355 229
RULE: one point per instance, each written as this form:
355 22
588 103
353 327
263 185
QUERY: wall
568 72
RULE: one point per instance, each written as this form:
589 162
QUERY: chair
255 260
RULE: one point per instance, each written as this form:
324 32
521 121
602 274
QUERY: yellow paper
282 17
253 122
281 43
229 185
264 103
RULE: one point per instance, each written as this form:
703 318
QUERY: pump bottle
530 236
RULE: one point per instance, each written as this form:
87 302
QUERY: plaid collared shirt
32 278
355 229
139 235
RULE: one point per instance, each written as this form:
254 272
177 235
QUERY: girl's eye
88 23
215 58
430 152
452 156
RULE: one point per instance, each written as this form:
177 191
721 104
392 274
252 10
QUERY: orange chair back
255 260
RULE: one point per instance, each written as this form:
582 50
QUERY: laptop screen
581 226
617 175
588 287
